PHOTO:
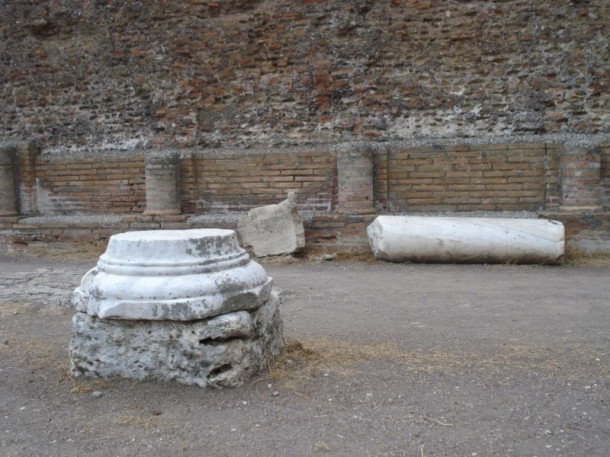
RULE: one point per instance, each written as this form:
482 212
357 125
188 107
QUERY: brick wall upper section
82 74
504 177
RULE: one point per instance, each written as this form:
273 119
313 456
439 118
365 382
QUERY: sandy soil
382 360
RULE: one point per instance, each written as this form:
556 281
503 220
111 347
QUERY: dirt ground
382 360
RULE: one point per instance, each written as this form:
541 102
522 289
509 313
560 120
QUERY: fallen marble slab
466 240
273 229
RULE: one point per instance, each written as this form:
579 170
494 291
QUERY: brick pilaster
9 204
162 187
26 177
580 178
355 180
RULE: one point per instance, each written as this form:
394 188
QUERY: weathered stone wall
101 74
358 106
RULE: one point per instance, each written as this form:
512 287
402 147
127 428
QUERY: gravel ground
382 360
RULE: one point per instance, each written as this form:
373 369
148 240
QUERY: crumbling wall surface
105 74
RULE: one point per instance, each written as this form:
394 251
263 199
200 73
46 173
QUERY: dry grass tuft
13 308
306 359
67 251
318 254
81 389
330 253
363 256
141 421
89 387
279 260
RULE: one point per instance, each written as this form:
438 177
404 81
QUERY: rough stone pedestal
183 305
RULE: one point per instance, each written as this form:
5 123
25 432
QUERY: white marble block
273 229
184 305
466 239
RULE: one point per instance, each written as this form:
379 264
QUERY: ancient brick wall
234 181
491 177
494 177
501 177
86 198
209 182
88 74
73 185
357 105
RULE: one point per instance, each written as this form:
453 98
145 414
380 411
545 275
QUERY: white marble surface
178 275
466 240
273 229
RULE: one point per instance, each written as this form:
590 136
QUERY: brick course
233 181
504 177
89 185
507 177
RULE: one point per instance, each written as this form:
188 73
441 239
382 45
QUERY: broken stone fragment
273 229
466 239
